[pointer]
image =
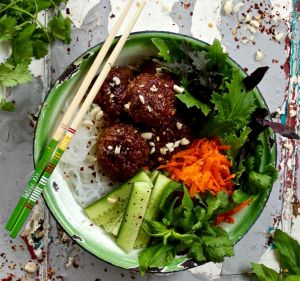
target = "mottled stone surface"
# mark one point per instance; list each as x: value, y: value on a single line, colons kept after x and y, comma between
x: 64, y: 260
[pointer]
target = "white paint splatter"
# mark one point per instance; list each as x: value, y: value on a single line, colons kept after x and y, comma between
x: 155, y: 16
x: 282, y: 7
x: 295, y: 233
x: 78, y: 10
x: 269, y: 259
x: 37, y: 67
x: 5, y: 51
x: 210, y: 269
x: 206, y: 18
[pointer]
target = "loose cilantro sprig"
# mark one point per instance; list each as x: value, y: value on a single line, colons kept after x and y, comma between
x: 28, y: 37
x: 186, y: 227
x: 289, y: 259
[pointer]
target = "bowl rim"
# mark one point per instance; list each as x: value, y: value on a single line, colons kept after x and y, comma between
x: 65, y: 75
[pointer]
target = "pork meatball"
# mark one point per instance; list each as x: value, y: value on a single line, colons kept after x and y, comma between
x: 152, y: 100
x: 167, y: 140
x: 121, y: 151
x: 113, y: 93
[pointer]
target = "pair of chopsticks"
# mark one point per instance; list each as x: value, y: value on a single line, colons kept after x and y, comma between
x: 64, y: 133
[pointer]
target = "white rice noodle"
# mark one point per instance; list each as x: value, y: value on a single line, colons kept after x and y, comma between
x: 80, y: 165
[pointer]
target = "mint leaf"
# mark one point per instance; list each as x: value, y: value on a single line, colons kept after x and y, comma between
x: 258, y: 181
x: 155, y: 256
x: 11, y: 76
x: 7, y: 28
x: 289, y: 250
x: 190, y: 101
x: 155, y: 228
x: 264, y: 273
x: 60, y: 28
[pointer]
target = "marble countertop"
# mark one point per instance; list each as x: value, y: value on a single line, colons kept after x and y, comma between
x: 249, y: 45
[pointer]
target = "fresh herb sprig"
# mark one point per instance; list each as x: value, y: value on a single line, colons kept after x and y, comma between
x: 289, y: 259
x: 186, y: 227
x: 28, y: 37
x: 201, y: 72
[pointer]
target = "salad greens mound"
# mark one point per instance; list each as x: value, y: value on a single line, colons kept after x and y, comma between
x: 221, y: 103
x: 161, y: 211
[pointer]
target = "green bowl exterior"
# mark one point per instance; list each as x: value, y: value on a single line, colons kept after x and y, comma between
x: 138, y: 43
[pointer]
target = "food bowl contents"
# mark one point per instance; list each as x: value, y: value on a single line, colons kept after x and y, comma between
x: 121, y: 151
x: 113, y: 94
x: 187, y: 160
x: 152, y: 100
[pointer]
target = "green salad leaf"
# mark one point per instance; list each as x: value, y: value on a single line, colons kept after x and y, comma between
x: 191, y: 101
x: 186, y: 228
x: 289, y: 260
x: 264, y: 273
x: 289, y: 250
x: 201, y: 72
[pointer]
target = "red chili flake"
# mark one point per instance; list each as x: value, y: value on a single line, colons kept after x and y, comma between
x: 67, y: 11
x: 81, y: 169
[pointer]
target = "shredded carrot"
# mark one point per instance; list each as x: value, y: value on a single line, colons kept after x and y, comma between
x: 228, y: 216
x: 202, y: 167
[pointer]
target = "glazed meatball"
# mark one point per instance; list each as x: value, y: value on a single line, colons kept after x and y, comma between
x: 113, y: 93
x: 121, y: 151
x: 167, y: 140
x: 152, y: 100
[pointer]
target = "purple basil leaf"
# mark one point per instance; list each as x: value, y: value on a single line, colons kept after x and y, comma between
x: 259, y: 123
x: 251, y: 81
x: 281, y: 129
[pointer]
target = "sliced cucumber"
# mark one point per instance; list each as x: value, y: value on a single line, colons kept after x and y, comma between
x: 154, y: 176
x: 134, y: 215
x: 152, y: 209
x: 109, y: 210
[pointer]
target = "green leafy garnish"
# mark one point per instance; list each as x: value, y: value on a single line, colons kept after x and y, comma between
x: 289, y: 259
x: 11, y: 75
x: 191, y: 101
x: 236, y: 105
x: 264, y: 273
x: 29, y: 38
x: 186, y: 228
x: 289, y: 250
x: 197, y: 70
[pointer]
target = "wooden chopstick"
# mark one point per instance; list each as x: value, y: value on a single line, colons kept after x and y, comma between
x: 50, y: 160
x: 42, y: 163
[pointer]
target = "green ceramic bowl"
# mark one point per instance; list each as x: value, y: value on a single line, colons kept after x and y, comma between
x: 60, y: 199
